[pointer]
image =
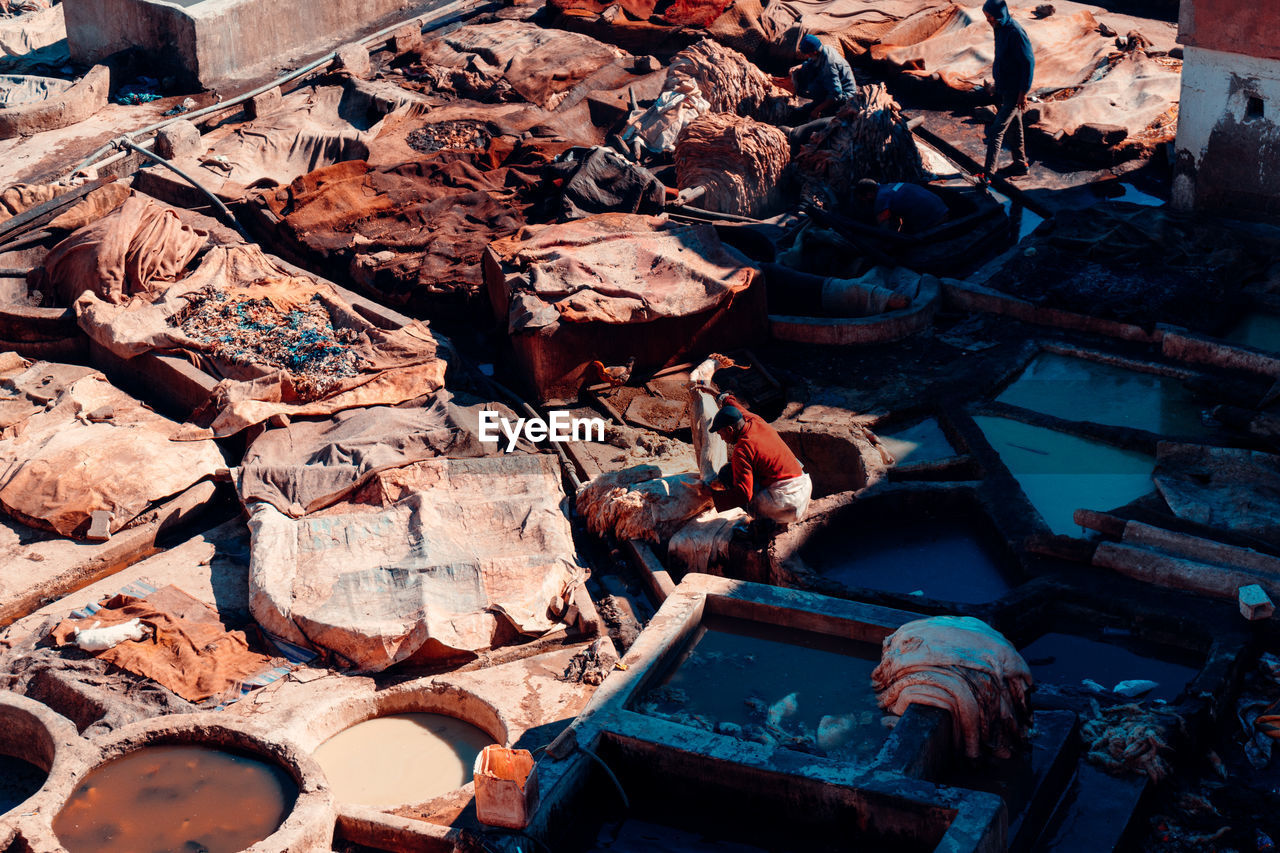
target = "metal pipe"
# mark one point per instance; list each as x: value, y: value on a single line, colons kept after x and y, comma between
x: 430, y: 21
x: 699, y: 213
x: 626, y: 803
x: 690, y: 194
x: 217, y: 202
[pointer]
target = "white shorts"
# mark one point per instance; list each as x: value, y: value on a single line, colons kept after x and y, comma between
x: 786, y: 501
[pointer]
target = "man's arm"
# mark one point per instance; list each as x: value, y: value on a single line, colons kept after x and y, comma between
x: 830, y: 85
x: 802, y: 76
x: 1027, y: 55
x: 822, y: 108
x: 743, y: 485
x: 886, y: 219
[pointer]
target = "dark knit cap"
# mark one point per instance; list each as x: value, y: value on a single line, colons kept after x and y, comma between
x: 728, y: 416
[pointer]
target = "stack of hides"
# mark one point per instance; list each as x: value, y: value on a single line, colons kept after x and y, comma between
x: 966, y: 667
x: 738, y: 160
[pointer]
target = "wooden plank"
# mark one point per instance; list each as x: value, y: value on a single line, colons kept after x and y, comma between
x: 42, y: 213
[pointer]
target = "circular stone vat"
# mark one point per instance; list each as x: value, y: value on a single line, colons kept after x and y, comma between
x: 860, y: 331
x: 400, y: 759
x: 35, y: 743
x: 189, y: 785
x: 176, y: 797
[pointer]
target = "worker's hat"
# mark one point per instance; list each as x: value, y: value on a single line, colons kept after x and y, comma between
x: 726, y: 417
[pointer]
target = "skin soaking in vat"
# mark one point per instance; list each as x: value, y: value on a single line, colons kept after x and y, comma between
x: 795, y: 689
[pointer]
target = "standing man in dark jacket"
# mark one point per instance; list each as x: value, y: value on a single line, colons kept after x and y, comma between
x: 1011, y: 73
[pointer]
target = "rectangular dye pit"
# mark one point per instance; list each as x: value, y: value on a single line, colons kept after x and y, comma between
x: 686, y: 796
x: 638, y: 835
x: 1259, y: 330
x: 1060, y: 473
x: 918, y: 444
x: 943, y: 557
x: 772, y: 685
x: 688, y: 778
x: 684, y: 815
x: 1068, y: 659
x: 1080, y: 389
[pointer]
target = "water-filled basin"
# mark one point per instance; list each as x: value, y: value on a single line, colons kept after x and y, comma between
x: 400, y: 758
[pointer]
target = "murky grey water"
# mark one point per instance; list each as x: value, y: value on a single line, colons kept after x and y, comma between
x: 1060, y: 473
x: 792, y: 688
x: 922, y: 442
x: 1079, y: 389
x: 944, y: 559
x: 1066, y: 659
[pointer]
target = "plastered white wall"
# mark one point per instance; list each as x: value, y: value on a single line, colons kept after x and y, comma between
x: 1216, y: 85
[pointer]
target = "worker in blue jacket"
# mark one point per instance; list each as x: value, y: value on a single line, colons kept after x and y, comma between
x: 825, y: 77
x: 1011, y: 75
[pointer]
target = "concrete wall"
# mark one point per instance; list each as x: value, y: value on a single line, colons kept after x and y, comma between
x: 1238, y: 26
x: 96, y: 29
x: 1228, y: 145
x: 223, y: 42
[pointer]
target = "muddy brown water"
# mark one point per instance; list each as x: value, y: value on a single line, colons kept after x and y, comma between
x: 189, y: 799
x: 18, y: 781
x: 797, y: 689
x: 400, y: 758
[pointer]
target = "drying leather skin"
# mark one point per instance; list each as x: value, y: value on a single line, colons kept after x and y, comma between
x: 189, y: 651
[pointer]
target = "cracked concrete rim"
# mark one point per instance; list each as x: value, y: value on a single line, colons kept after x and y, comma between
x: 37, y: 734
x: 309, y: 825
x: 859, y: 331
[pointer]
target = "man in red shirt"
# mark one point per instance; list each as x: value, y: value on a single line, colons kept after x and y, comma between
x: 764, y: 475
